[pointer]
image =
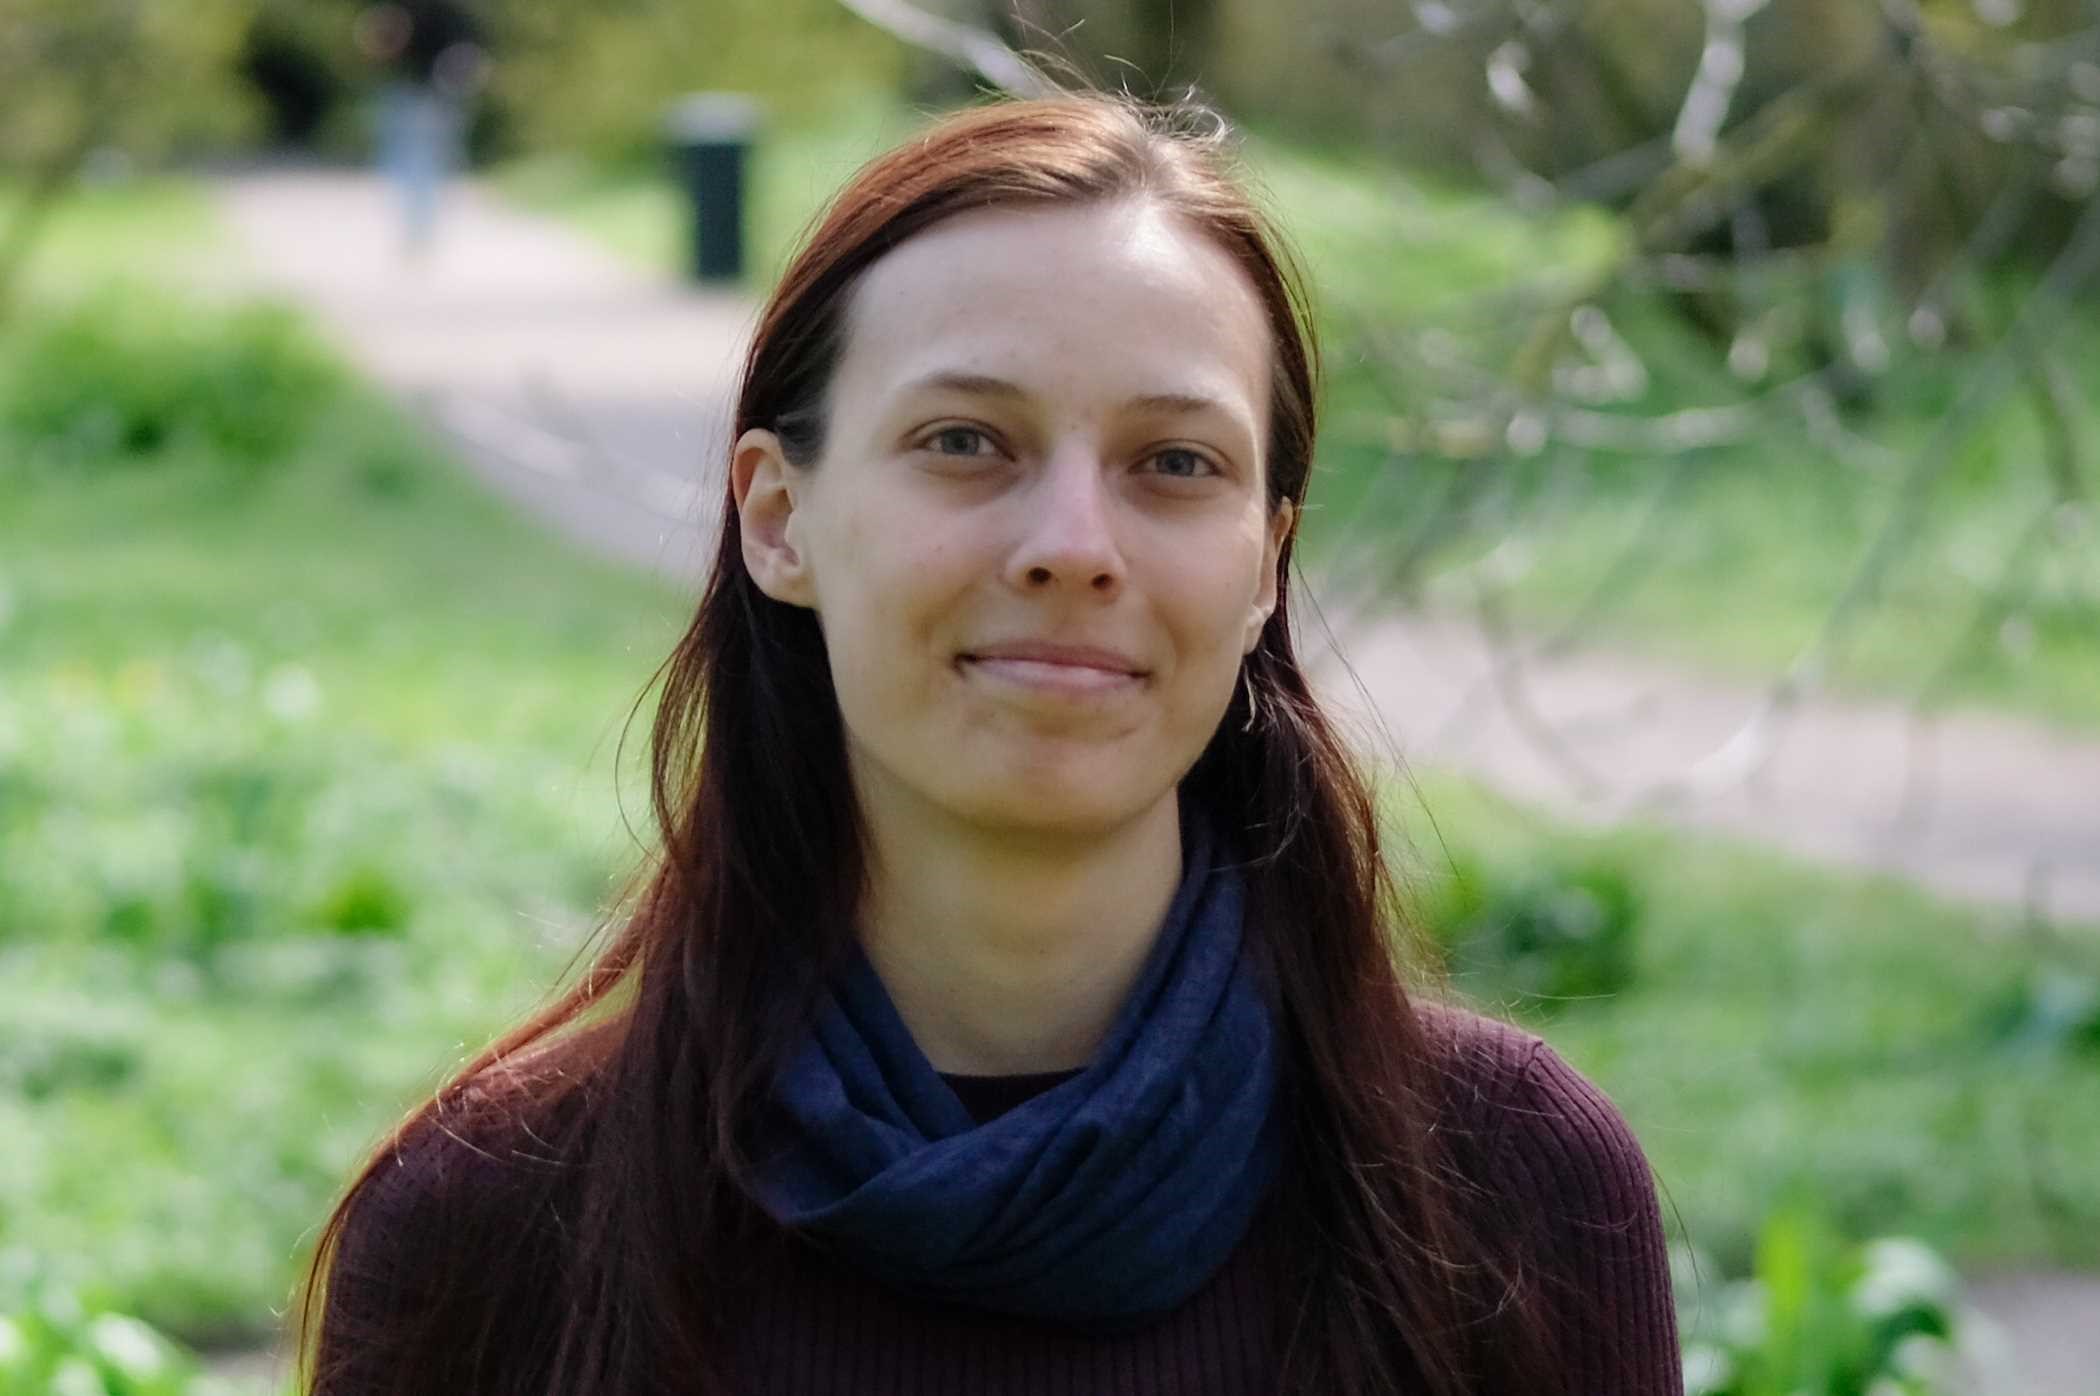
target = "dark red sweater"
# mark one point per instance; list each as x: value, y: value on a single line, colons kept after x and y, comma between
x: 1557, y: 1159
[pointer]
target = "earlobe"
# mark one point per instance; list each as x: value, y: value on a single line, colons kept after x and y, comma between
x: 764, y: 485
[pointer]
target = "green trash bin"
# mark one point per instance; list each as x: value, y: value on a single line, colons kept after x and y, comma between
x: 710, y: 135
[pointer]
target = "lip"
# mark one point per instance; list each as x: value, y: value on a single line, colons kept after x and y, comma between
x: 1037, y: 652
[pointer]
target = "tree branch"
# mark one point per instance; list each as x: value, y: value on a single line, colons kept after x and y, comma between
x: 965, y: 45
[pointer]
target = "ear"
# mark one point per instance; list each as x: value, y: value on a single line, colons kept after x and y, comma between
x: 1279, y: 530
x: 764, y: 484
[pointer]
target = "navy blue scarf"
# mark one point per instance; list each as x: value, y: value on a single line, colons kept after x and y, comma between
x: 1103, y: 1202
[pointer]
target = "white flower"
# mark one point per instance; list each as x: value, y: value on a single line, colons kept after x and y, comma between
x: 291, y: 693
x: 130, y: 1346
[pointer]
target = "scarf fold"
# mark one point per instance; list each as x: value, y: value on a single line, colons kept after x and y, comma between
x: 1104, y: 1201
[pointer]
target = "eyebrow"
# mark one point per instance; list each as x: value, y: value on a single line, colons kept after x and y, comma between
x: 982, y: 385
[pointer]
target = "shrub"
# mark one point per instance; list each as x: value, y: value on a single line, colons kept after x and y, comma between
x: 181, y: 820
x: 1822, y: 1317
x: 2054, y: 1010
x: 54, y: 1344
x: 128, y: 376
x: 1542, y: 935
x: 234, y: 941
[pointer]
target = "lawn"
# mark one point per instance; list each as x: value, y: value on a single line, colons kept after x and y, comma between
x: 1785, y: 1029
x: 1730, y: 556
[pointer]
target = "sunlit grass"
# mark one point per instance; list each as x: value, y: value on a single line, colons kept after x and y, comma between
x: 148, y: 228
x: 1790, y: 1028
x: 307, y: 785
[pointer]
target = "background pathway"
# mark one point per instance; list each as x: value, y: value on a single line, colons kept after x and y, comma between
x: 596, y: 396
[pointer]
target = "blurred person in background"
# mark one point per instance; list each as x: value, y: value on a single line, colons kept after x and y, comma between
x: 1018, y: 999
x: 435, y: 68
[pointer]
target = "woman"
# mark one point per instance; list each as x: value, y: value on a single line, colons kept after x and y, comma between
x: 1015, y: 1002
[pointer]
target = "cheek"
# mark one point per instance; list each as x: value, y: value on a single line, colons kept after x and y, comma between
x: 890, y: 598
x: 1212, y: 590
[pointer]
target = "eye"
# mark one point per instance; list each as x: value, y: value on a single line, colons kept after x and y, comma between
x: 1181, y: 463
x: 958, y: 441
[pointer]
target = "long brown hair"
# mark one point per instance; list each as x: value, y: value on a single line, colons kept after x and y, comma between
x: 639, y: 1087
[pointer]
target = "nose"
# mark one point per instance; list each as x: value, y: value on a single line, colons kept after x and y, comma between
x: 1068, y: 540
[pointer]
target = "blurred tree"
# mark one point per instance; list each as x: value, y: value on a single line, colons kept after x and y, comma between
x: 315, y: 63
x: 78, y: 76
x: 293, y: 57
x: 599, y: 77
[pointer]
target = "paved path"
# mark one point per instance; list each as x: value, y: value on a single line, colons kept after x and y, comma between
x: 1971, y: 805
x: 590, y: 393
x: 596, y: 396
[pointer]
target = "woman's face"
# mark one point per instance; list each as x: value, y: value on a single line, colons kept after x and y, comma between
x: 1037, y: 538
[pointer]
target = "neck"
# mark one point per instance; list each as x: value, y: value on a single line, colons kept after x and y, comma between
x: 1009, y: 953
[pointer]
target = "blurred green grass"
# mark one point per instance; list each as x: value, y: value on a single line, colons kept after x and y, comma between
x: 146, y: 229
x: 307, y: 786
x: 1794, y: 1029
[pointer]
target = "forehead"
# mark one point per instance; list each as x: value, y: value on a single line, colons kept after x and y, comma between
x: 1118, y: 297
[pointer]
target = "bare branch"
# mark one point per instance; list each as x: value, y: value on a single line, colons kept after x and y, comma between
x: 965, y: 45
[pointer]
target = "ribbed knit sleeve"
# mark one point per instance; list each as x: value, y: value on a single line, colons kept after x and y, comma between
x: 1582, y: 1187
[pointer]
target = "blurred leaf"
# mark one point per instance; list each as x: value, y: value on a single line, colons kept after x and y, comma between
x: 2055, y: 1010
x: 1547, y: 933
x: 1821, y: 1317
x: 366, y: 902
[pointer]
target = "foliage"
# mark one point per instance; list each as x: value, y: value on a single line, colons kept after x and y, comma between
x: 599, y: 78
x: 128, y: 377
x: 305, y: 784
x: 1835, y: 359
x: 301, y: 59
x: 1539, y: 936
x: 1784, y: 1029
x: 54, y: 1344
x: 1729, y: 553
x: 139, y: 75
x: 2055, y: 1009
x: 132, y: 77
x: 234, y: 942
x: 567, y: 78
x: 1821, y: 1317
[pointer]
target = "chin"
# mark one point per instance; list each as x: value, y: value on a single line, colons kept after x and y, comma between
x: 1067, y: 805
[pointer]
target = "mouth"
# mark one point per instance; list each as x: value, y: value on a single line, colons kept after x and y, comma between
x: 1079, y: 675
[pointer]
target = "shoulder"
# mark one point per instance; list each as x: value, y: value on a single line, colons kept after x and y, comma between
x: 468, y: 1161
x: 1477, y: 1061
x: 1508, y: 1088
x: 1557, y: 1169
x: 452, y: 1225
